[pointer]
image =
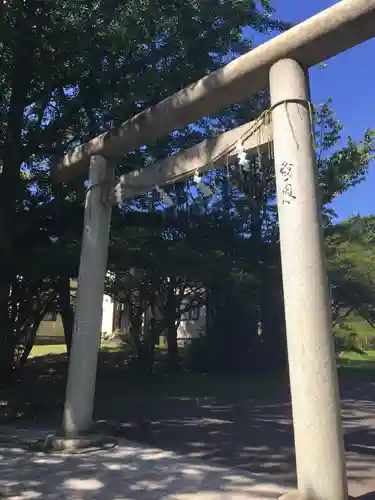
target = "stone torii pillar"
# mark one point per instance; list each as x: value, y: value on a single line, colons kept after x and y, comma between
x: 318, y: 435
x: 83, y: 361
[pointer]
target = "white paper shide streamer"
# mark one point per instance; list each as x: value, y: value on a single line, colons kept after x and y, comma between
x: 164, y: 198
x: 242, y: 157
x: 203, y: 189
x: 119, y: 191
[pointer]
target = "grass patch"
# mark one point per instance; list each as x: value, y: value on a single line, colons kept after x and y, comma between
x: 354, y: 360
x: 46, y: 350
x: 122, y: 391
x: 50, y: 349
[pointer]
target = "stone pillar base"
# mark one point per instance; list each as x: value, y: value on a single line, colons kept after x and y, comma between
x: 296, y: 495
x: 79, y: 444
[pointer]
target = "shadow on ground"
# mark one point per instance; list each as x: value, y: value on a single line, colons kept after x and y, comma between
x: 232, y: 423
x: 125, y: 472
x: 254, y: 434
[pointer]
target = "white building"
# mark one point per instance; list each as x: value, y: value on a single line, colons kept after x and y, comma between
x: 192, y: 323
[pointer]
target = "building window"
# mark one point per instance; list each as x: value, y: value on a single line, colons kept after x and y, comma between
x: 192, y: 314
x: 50, y: 316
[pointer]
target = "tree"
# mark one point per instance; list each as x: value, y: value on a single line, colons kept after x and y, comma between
x: 352, y: 267
x: 70, y: 70
x: 339, y: 169
x: 236, y: 232
x: 57, y: 93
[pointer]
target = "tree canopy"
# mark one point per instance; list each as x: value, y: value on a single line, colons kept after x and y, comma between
x: 70, y: 70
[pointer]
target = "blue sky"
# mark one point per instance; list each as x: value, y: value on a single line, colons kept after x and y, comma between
x: 349, y: 81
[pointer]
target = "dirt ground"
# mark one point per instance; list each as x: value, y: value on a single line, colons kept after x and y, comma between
x: 248, y: 429
x: 255, y: 434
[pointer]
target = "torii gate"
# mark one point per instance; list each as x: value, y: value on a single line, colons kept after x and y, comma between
x: 281, y: 64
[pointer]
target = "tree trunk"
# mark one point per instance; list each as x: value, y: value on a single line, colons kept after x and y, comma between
x: 117, y: 313
x: 274, y: 349
x: 173, y: 359
x: 170, y: 319
x: 11, y: 160
x: 135, y: 314
x: 33, y: 329
x: 7, y: 352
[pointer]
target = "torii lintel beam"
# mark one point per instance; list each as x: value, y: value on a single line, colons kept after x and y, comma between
x: 334, y: 30
x: 211, y: 153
